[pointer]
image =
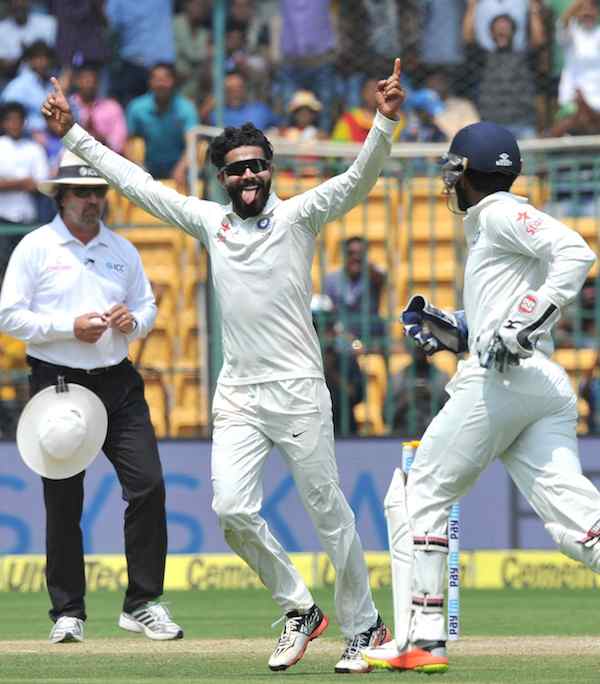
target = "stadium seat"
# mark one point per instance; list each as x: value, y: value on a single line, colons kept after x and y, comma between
x: 156, y: 394
x: 156, y: 351
x: 189, y: 337
x: 189, y: 416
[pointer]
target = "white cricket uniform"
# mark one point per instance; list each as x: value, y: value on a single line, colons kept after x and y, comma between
x: 526, y: 416
x: 271, y: 389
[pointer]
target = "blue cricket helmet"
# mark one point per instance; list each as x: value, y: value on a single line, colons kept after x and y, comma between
x: 488, y: 147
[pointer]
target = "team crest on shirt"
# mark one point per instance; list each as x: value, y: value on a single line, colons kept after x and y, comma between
x: 263, y: 223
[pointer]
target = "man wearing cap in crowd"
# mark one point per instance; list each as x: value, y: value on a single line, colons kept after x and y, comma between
x: 303, y: 112
x: 77, y: 294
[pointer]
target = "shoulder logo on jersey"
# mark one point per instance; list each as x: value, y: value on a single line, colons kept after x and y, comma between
x: 528, y: 304
x: 504, y: 159
x: 263, y: 223
x: 118, y: 268
x: 223, y: 228
x: 531, y: 225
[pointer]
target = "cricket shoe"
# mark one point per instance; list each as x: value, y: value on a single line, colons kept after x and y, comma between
x: 421, y: 656
x: 299, y: 629
x: 352, y: 661
x: 66, y: 629
x: 154, y: 620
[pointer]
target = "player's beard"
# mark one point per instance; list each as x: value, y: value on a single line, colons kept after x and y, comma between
x: 254, y: 207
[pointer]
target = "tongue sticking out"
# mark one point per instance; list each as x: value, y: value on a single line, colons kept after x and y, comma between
x: 249, y: 195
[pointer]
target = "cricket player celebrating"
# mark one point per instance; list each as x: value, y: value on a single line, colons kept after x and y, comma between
x: 271, y: 389
x: 508, y: 400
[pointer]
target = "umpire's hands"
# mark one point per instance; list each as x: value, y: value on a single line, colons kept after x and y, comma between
x: 390, y: 95
x: 121, y: 318
x: 90, y: 327
x: 57, y: 111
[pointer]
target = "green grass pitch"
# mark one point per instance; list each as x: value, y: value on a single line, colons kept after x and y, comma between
x: 508, y: 636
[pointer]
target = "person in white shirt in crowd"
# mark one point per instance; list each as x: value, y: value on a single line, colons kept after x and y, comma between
x: 76, y: 293
x: 508, y: 400
x: 271, y: 389
x: 18, y: 31
x: 23, y: 162
x: 578, y: 33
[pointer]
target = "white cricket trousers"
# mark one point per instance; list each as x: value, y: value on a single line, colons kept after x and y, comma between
x: 294, y: 415
x: 526, y: 416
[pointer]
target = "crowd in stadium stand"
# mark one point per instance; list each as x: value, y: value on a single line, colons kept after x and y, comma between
x: 303, y: 71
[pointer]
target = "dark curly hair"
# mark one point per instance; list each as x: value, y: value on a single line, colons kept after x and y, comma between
x: 247, y: 135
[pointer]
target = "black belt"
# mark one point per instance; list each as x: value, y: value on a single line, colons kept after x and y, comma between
x: 33, y: 362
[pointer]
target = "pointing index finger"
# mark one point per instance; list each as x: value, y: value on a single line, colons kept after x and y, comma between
x: 57, y: 87
x: 397, y: 66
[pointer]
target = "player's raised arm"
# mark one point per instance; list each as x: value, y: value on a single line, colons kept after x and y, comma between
x: 332, y: 199
x: 133, y: 181
x: 390, y: 94
x: 57, y: 111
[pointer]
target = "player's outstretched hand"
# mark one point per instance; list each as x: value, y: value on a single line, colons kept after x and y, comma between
x: 390, y: 94
x: 57, y: 111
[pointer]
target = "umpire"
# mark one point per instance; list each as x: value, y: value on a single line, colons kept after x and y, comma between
x: 77, y: 294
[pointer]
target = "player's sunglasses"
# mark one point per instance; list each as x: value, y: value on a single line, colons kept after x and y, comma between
x: 238, y: 168
x: 98, y: 190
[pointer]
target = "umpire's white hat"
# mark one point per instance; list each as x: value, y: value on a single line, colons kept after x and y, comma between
x: 72, y: 171
x: 61, y: 430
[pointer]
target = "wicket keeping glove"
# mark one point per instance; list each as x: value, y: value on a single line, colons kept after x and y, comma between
x: 532, y: 318
x: 433, y: 329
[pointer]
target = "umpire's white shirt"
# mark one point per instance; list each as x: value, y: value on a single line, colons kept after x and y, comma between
x: 261, y: 265
x: 52, y: 278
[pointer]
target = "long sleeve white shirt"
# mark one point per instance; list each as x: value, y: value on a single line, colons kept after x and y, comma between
x: 514, y: 249
x: 52, y: 278
x: 260, y: 266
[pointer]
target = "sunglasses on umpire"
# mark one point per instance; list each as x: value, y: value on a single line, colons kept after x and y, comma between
x: 238, y: 168
x: 85, y: 192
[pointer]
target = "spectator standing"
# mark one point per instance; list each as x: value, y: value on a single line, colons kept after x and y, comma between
x: 368, y: 32
x: 579, y: 35
x: 102, y: 115
x: 506, y: 89
x: 23, y: 162
x: 19, y: 30
x: 192, y: 47
x: 77, y: 294
x: 30, y: 87
x: 308, y: 54
x: 82, y: 32
x: 161, y: 118
x: 487, y: 10
x: 441, y: 42
x: 143, y: 32
x: 238, y: 109
x: 355, y: 291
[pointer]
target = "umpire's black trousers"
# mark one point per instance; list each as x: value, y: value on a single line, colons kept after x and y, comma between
x: 131, y: 447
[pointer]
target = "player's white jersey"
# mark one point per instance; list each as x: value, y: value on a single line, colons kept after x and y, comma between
x: 261, y: 266
x: 514, y: 249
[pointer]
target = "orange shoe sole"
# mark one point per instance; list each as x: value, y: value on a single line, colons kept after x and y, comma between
x: 416, y: 659
x: 321, y: 627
